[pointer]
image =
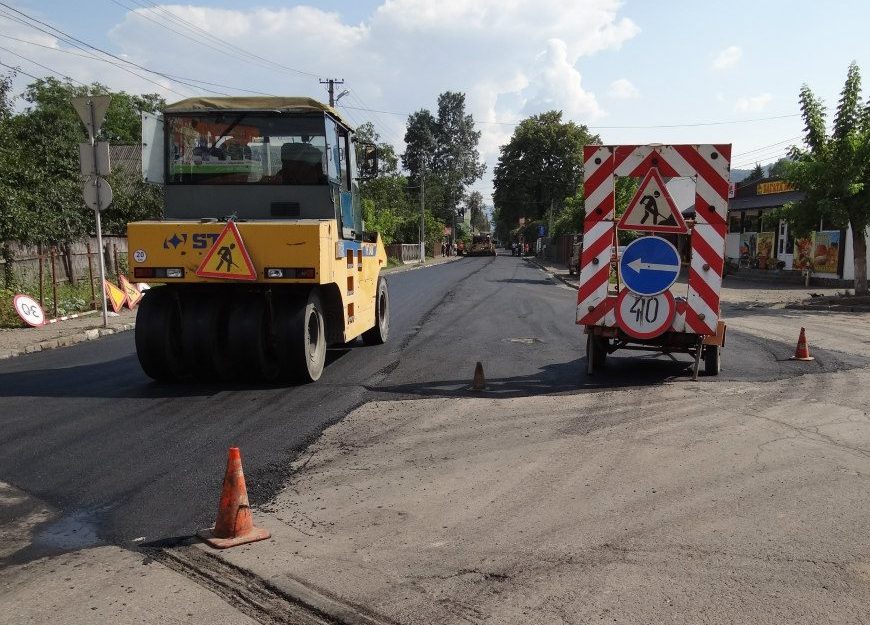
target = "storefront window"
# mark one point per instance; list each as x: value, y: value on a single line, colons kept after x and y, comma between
x: 734, y: 222
x: 751, y: 221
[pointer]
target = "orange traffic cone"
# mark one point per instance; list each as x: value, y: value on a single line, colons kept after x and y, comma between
x: 234, y: 524
x: 479, y: 382
x: 802, y: 352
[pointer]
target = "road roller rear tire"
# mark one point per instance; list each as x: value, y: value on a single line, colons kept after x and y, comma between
x: 379, y: 334
x: 158, y: 336
x: 250, y: 341
x: 300, y: 334
x: 203, y: 331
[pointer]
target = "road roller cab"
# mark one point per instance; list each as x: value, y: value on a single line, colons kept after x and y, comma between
x: 261, y: 260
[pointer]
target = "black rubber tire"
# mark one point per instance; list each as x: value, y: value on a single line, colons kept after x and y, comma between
x: 300, y: 335
x: 596, y: 352
x: 379, y: 334
x: 249, y: 339
x: 712, y: 359
x: 204, y: 337
x: 158, y: 336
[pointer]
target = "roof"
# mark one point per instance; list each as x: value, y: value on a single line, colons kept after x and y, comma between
x: 772, y: 200
x: 264, y: 103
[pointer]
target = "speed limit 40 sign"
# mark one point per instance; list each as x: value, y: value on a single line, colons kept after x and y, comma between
x: 29, y: 310
x: 645, y: 316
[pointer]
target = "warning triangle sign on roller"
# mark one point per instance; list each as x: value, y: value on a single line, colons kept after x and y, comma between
x: 228, y: 257
x: 652, y: 209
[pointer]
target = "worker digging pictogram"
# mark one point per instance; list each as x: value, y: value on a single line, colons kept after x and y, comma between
x: 228, y: 257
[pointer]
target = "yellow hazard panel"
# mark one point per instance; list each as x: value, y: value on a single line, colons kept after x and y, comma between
x: 114, y: 295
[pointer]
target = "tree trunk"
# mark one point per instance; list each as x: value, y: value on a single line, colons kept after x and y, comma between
x: 859, y: 245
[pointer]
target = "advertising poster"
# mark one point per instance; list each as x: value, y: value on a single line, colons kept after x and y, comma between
x: 803, y: 253
x: 826, y: 252
x: 765, y: 244
x: 748, y: 243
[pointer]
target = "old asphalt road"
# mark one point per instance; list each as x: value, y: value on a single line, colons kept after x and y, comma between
x: 124, y: 458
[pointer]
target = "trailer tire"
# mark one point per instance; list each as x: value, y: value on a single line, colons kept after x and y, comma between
x: 379, y: 334
x: 712, y: 359
x: 158, y: 336
x: 596, y: 353
x: 300, y: 334
x: 249, y: 339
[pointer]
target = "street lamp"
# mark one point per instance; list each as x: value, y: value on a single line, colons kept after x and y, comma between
x: 341, y: 95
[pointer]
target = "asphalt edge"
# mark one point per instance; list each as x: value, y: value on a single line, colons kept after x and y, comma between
x: 90, y: 334
x: 404, y: 268
x: 542, y: 267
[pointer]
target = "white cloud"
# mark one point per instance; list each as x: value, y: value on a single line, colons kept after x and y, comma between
x: 511, y: 57
x: 727, y: 57
x: 622, y: 89
x: 752, y: 104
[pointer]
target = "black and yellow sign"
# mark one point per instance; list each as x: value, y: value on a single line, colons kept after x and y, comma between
x: 776, y: 186
x: 228, y: 257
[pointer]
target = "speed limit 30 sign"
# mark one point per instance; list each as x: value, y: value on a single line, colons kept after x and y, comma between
x: 645, y: 316
x: 29, y: 310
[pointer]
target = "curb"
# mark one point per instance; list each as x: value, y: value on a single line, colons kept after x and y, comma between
x: 828, y: 308
x: 64, y: 341
x: 573, y: 285
x: 404, y: 268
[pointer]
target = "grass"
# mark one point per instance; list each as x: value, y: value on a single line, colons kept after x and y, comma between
x: 71, y: 298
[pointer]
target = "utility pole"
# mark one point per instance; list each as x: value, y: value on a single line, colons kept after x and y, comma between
x: 423, y: 212
x: 331, y: 82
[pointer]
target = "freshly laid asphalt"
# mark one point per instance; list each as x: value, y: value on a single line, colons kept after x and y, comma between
x: 128, y: 460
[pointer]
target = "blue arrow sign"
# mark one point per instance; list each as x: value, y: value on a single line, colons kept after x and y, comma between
x: 649, y: 265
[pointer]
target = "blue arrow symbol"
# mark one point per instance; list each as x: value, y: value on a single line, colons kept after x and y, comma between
x: 637, y: 264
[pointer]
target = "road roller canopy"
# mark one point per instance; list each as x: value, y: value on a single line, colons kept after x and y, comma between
x: 254, y: 104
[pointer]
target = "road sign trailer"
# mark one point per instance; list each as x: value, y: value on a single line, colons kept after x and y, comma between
x: 614, y: 320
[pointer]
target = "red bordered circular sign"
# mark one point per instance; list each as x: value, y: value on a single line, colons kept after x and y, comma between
x: 645, y: 316
x: 29, y: 310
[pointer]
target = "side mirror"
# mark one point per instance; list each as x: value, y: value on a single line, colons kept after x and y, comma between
x: 368, y: 167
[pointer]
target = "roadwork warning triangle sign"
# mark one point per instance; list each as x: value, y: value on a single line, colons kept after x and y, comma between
x: 133, y: 294
x: 115, y: 296
x: 652, y: 209
x: 228, y: 257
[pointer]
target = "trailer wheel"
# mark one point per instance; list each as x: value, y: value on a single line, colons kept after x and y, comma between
x: 158, y: 336
x: 596, y: 353
x: 380, y: 332
x: 249, y: 340
x: 712, y: 359
x: 300, y: 334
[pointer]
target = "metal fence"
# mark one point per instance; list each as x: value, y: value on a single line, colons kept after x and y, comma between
x: 405, y: 252
x: 39, y: 270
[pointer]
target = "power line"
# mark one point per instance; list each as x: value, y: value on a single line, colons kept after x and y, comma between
x: 764, y: 147
x: 71, y: 42
x: 689, y: 125
x: 102, y: 60
x: 18, y: 70
x: 193, y: 27
x: 78, y: 43
x: 45, y: 67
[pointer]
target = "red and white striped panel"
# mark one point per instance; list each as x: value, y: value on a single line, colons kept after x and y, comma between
x: 709, y: 166
x: 598, y: 232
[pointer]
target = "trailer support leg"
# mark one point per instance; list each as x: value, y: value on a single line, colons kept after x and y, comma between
x: 698, y: 350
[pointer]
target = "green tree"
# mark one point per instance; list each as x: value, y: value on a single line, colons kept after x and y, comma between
x: 475, y: 208
x: 540, y: 166
x: 388, y: 164
x: 446, y: 147
x: 39, y: 160
x: 833, y: 170
x: 779, y: 169
x: 755, y: 175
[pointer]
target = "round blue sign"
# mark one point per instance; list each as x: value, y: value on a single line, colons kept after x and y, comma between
x: 649, y: 265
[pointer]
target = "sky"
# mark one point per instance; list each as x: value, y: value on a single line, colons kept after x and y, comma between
x: 673, y: 71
